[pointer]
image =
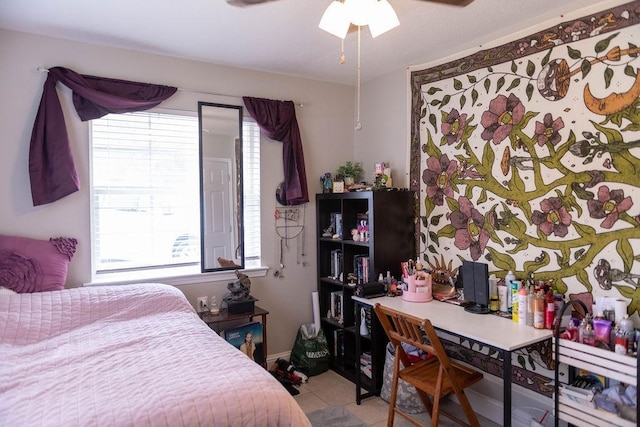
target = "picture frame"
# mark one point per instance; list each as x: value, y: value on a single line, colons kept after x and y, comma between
x: 338, y: 187
x: 236, y: 337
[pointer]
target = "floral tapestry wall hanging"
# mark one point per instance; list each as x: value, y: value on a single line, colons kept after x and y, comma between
x: 526, y: 156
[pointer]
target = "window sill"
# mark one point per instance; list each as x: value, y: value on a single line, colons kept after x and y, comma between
x: 176, y: 277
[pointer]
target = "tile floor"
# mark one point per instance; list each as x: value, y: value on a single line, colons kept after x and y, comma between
x: 330, y: 389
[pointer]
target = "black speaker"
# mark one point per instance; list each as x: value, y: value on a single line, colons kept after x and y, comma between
x: 475, y: 280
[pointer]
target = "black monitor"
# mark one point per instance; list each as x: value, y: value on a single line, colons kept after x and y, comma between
x: 475, y: 280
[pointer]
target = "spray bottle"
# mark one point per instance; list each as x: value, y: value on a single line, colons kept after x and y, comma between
x: 510, y: 277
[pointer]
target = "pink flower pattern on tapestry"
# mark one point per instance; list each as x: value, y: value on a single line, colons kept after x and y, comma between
x: 502, y: 115
x: 453, y: 126
x: 554, y: 217
x: 547, y: 130
x: 608, y: 206
x: 437, y: 176
x: 469, y: 224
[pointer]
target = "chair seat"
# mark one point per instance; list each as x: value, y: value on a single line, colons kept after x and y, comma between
x: 424, y: 375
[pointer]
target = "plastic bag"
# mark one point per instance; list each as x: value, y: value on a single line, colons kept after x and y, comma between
x: 310, y: 353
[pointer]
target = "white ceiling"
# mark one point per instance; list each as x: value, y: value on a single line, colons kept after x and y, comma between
x: 280, y: 36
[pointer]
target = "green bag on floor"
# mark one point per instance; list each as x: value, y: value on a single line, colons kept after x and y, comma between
x: 310, y: 353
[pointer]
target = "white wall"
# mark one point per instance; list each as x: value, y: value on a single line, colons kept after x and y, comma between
x: 325, y: 124
x: 384, y: 136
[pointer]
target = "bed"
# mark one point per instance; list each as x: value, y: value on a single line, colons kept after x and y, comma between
x: 127, y: 355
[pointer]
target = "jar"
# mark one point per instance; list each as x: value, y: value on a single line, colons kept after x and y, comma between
x: 626, y: 327
x: 494, y: 304
x: 621, y: 342
x: 571, y: 331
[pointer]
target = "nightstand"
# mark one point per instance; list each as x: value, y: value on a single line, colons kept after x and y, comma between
x: 214, y: 322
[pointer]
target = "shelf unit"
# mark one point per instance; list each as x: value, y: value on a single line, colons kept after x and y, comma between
x: 389, y: 215
x: 374, y: 343
x: 608, y: 364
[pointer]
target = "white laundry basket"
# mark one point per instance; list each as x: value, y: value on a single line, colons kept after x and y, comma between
x: 531, y: 417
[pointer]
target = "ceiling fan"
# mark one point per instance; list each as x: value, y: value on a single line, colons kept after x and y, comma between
x: 242, y: 3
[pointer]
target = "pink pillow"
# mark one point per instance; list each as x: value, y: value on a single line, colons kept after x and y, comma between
x: 30, y: 265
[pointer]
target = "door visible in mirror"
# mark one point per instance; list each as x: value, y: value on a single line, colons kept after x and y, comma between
x: 221, y: 186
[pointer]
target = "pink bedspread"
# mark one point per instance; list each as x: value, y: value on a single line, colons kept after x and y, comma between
x: 124, y: 356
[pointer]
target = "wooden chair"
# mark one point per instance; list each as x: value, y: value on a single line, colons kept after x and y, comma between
x: 437, y: 376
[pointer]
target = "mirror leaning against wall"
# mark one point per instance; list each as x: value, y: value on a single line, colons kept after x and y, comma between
x: 221, y: 216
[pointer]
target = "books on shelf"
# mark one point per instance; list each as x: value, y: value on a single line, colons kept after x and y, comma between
x: 336, y: 264
x: 336, y: 310
x: 365, y: 364
x: 336, y: 221
x: 361, y: 268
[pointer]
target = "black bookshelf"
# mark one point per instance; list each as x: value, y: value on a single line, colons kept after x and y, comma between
x: 390, y: 221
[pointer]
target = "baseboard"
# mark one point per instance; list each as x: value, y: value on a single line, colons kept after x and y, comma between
x: 486, y: 399
x: 271, y: 358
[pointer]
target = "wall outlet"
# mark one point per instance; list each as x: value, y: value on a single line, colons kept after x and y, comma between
x: 202, y: 304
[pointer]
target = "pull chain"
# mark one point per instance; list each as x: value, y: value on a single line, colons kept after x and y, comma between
x: 358, y: 124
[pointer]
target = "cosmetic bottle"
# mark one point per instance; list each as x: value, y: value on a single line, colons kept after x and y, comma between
x: 626, y: 327
x: 582, y: 328
x: 549, y: 311
x: 588, y: 337
x: 530, y: 301
x: 523, y: 298
x: 538, y: 311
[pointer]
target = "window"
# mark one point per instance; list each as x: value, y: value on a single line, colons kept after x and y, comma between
x: 251, y: 193
x: 145, y: 191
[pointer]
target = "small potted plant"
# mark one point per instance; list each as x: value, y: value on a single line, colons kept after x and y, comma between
x: 350, y: 172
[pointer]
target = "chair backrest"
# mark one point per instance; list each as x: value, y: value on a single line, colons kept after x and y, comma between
x: 404, y: 328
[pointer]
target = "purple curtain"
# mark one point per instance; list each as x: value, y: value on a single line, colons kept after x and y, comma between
x: 51, y: 168
x: 277, y: 119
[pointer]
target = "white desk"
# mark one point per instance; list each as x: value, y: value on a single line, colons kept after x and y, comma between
x: 500, y: 333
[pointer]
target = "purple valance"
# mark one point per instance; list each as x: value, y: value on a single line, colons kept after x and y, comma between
x: 277, y: 119
x: 51, y: 168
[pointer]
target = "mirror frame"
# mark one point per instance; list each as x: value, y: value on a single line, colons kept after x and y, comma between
x: 238, y: 209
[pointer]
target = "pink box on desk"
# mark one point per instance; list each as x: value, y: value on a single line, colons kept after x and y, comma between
x: 418, y: 290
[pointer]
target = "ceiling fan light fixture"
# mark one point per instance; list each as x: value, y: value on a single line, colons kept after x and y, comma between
x: 377, y: 14
x: 383, y: 19
x: 335, y: 20
x: 360, y: 12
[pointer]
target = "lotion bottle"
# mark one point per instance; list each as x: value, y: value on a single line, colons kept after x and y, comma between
x: 530, y: 301
x: 523, y: 297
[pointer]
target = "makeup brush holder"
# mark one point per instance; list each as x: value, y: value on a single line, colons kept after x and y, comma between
x: 418, y: 289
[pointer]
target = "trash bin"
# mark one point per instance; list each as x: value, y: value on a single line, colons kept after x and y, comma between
x: 408, y: 399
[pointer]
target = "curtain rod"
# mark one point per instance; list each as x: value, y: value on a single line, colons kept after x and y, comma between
x: 297, y: 104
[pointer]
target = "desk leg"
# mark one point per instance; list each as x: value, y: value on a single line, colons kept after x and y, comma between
x: 506, y: 389
x: 358, y: 345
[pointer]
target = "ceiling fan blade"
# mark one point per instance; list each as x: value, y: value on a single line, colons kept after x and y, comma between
x: 460, y: 3
x: 243, y: 3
